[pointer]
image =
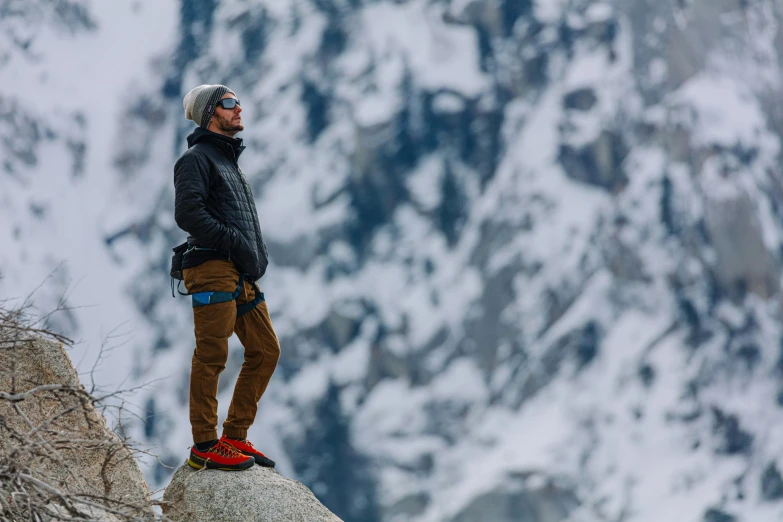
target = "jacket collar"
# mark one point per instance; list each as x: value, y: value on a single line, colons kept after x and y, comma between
x: 231, y: 147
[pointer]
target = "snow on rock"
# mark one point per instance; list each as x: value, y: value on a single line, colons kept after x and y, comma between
x: 542, y: 234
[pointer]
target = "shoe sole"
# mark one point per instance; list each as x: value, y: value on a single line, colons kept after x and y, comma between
x: 200, y: 463
x: 261, y: 461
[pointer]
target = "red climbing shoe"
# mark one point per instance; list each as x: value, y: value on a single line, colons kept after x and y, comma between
x: 245, y: 447
x: 219, y: 456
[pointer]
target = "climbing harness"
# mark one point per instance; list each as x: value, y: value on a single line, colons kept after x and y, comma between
x: 207, y: 298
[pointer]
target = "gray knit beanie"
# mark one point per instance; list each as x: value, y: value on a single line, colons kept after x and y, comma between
x: 200, y: 103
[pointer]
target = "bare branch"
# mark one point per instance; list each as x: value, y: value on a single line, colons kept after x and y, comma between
x: 16, y: 397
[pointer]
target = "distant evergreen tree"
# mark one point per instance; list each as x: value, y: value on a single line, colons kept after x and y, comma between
x: 329, y: 465
x: 452, y: 212
x: 317, y: 104
x: 667, y: 211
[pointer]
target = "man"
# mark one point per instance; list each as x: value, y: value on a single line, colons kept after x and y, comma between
x: 215, y: 206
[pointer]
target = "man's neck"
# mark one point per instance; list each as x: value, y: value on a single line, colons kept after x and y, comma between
x: 228, y: 134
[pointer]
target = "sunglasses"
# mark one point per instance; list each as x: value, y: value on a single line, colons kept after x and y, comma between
x: 229, y: 103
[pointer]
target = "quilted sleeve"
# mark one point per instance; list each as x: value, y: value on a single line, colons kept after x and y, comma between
x: 191, y: 189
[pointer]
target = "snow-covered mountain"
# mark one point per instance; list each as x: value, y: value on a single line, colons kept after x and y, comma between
x: 525, y: 255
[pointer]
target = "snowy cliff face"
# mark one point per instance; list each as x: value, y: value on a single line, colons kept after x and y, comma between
x: 525, y: 255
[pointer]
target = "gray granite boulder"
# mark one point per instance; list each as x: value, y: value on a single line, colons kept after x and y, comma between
x: 258, y: 494
x: 53, y: 440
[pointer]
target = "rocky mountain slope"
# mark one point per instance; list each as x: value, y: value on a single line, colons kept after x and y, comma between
x: 525, y: 255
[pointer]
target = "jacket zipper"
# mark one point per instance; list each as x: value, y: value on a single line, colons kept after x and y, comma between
x: 249, y: 197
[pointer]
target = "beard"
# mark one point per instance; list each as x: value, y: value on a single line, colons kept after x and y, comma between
x: 229, y: 125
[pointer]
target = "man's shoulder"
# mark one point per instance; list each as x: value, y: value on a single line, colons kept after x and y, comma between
x: 197, y: 155
x: 197, y: 149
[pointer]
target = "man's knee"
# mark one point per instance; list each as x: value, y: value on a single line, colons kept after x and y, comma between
x: 211, y: 357
x: 274, y: 351
x: 268, y: 354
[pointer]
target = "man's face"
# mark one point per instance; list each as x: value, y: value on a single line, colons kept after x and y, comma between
x: 227, y: 121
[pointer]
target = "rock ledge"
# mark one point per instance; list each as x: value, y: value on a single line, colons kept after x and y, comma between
x: 257, y: 494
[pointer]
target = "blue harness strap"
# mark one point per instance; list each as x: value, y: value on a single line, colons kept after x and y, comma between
x: 207, y: 298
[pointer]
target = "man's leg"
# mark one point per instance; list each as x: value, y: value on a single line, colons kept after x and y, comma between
x: 213, y: 325
x: 262, y: 351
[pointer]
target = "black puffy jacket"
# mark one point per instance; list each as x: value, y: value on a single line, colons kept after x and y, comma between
x: 213, y: 202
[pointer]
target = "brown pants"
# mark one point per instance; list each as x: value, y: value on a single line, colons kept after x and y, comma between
x: 213, y: 325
